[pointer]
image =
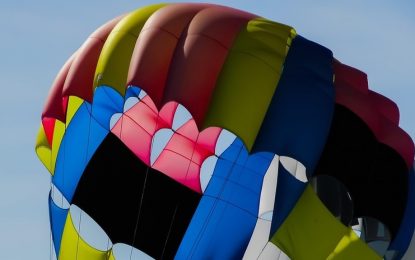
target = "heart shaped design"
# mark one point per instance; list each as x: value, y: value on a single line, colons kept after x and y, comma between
x: 214, y: 162
x: 167, y: 140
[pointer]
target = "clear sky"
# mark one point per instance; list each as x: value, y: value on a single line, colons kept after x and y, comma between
x: 38, y: 36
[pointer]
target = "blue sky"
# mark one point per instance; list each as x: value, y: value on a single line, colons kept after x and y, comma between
x: 38, y: 36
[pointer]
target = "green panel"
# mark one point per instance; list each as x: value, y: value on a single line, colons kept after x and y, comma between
x: 114, y: 61
x: 249, y: 77
x: 311, y: 232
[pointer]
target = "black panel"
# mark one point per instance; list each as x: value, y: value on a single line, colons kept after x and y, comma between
x: 111, y: 191
x: 334, y: 196
x: 374, y: 174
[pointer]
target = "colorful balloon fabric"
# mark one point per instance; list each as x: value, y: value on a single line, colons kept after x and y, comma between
x: 197, y: 131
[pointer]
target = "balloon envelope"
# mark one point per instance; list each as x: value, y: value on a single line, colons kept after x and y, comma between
x: 202, y: 131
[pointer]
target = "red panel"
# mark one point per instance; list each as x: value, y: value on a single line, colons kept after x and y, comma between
x: 359, y: 104
x: 175, y: 17
x: 143, y: 116
x: 135, y: 138
x: 80, y: 78
x: 378, y: 112
x: 193, y: 177
x: 103, y: 31
x: 172, y: 164
x: 205, y: 45
x: 155, y: 47
x: 399, y: 140
x: 49, y: 126
x: 184, y: 153
x: 180, y: 169
x: 385, y: 106
x: 208, y: 138
x: 149, y: 102
x: 64, y: 103
x: 189, y: 129
x: 354, y: 78
x: 167, y: 113
x: 53, y: 107
x: 200, y: 154
x: 181, y: 145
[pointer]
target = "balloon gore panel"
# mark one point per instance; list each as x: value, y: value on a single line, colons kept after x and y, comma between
x: 133, y: 203
x: 197, y: 131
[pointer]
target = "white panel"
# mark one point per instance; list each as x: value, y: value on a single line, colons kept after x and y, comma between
x: 271, y: 251
x: 206, y: 171
x: 89, y: 230
x: 258, y: 240
x: 181, y: 116
x: 300, y: 173
x: 142, y: 94
x: 58, y: 198
x: 114, y: 119
x: 261, y: 233
x: 130, y: 102
x: 160, y: 140
x: 269, y: 187
x: 294, y: 167
x: 358, y: 227
x: 122, y: 251
x: 283, y: 256
x: 225, y: 139
x: 267, y: 215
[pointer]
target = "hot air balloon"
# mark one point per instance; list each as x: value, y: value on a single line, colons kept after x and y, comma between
x: 198, y: 131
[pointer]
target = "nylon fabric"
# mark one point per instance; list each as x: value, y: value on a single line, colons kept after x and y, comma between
x: 252, y: 69
x: 74, y: 247
x: 308, y: 223
x: 114, y: 60
x: 57, y: 217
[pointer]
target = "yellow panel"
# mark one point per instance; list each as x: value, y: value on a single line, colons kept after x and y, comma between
x: 47, y: 155
x: 74, y: 247
x: 43, y: 150
x: 266, y: 40
x: 114, y: 61
x: 74, y: 103
x: 111, y: 257
x: 58, y: 133
x: 352, y: 247
x: 311, y: 232
x: 249, y: 78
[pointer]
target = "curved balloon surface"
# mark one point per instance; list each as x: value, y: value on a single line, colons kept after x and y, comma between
x: 197, y: 131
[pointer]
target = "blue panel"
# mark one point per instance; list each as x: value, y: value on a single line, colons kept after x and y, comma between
x: 226, y: 216
x: 217, y: 231
x: 107, y: 102
x: 81, y: 139
x: 234, y: 151
x: 298, y: 119
x: 57, y: 218
x: 132, y: 91
x: 259, y: 162
x: 289, y: 190
x: 405, y: 232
